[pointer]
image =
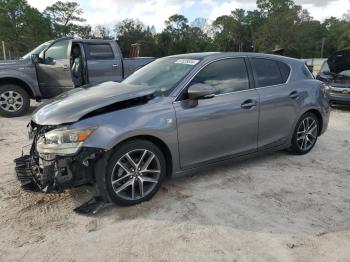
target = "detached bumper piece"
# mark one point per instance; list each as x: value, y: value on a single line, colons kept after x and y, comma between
x: 25, y: 175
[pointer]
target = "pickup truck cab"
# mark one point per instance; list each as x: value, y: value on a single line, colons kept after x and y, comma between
x: 58, y: 66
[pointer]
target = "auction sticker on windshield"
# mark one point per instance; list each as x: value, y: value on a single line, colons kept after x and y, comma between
x: 187, y: 61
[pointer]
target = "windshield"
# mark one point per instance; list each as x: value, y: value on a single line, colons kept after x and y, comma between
x: 37, y: 50
x: 162, y: 74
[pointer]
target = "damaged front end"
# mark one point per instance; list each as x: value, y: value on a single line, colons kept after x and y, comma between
x: 57, y: 159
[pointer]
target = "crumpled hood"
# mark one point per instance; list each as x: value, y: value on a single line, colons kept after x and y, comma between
x: 73, y: 105
x: 339, y: 61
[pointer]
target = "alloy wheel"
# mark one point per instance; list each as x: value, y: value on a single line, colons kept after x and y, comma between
x: 136, y: 174
x: 11, y: 101
x: 307, y: 133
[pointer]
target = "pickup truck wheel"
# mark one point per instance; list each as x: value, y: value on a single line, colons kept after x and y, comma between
x: 14, y: 101
x: 135, y: 172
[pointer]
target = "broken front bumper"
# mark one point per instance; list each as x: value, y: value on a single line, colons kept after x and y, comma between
x: 40, y: 173
x: 25, y: 174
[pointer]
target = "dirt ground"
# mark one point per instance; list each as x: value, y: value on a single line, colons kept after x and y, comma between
x: 278, y: 207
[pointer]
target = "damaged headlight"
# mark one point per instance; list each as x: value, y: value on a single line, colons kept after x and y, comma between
x: 63, y: 141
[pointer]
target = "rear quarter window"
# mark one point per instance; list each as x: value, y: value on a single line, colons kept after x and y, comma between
x: 285, y: 71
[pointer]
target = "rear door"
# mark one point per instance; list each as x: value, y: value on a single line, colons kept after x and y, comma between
x: 278, y: 101
x: 53, y: 71
x: 224, y: 125
x: 103, y: 63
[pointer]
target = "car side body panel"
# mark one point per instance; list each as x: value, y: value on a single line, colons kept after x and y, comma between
x: 154, y: 119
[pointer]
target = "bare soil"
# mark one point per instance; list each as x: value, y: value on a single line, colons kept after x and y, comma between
x: 278, y: 207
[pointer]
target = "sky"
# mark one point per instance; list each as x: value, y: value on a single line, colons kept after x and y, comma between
x: 155, y: 12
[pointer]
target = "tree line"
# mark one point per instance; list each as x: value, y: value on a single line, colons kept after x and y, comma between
x: 275, y: 23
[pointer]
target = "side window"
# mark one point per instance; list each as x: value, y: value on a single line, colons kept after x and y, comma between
x: 100, y: 51
x: 267, y: 72
x: 285, y: 71
x: 58, y: 50
x: 225, y: 76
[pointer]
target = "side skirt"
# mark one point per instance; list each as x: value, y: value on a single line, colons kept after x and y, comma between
x: 230, y: 160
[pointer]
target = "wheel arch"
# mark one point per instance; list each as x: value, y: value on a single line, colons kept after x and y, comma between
x: 159, y: 143
x: 19, y: 82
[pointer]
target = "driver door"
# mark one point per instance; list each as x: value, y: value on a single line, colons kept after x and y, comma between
x: 53, y: 72
x: 223, y: 126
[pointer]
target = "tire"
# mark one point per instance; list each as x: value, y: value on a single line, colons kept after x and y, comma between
x: 305, y: 134
x: 147, y: 170
x: 14, y: 101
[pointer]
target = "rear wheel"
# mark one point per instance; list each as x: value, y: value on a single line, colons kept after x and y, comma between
x: 135, y: 172
x: 305, y: 134
x: 14, y: 101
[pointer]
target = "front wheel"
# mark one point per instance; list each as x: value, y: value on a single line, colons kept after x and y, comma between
x: 14, y: 101
x: 135, y: 172
x: 305, y: 134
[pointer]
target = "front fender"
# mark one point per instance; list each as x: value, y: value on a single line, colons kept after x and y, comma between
x: 156, y: 120
x: 26, y: 74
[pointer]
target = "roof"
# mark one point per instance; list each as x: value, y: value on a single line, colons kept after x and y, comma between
x: 214, y: 55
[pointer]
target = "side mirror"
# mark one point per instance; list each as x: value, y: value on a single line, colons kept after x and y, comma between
x: 35, y: 58
x: 200, y: 91
x: 49, y: 60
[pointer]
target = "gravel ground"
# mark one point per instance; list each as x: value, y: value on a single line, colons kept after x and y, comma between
x: 278, y: 207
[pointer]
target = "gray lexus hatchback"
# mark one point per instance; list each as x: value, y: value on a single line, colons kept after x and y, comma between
x: 172, y: 116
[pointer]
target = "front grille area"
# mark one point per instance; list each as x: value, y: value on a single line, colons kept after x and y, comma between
x: 54, y: 173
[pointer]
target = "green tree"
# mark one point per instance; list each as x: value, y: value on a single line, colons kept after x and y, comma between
x: 307, y: 39
x: 131, y: 31
x: 22, y: 27
x: 83, y: 31
x: 279, y: 26
x: 233, y: 32
x: 63, y: 15
x: 102, y: 32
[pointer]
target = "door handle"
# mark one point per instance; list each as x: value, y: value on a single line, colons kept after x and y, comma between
x: 248, y: 104
x: 294, y: 95
x: 116, y: 65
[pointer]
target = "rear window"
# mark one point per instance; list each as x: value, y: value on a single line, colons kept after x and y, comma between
x: 267, y: 72
x: 100, y: 51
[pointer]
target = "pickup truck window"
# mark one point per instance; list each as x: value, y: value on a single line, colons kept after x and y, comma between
x: 58, y: 50
x: 162, y: 74
x: 37, y: 50
x: 100, y: 51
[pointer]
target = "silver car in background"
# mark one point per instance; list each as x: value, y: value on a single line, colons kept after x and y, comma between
x: 174, y: 115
